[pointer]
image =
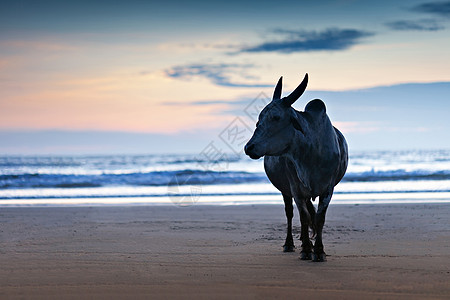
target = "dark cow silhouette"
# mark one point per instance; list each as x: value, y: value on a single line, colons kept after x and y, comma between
x: 304, y: 158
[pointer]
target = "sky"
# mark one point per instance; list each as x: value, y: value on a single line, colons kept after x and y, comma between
x: 176, y: 76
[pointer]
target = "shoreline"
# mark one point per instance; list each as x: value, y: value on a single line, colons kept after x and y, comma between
x: 226, y: 200
x: 111, y: 252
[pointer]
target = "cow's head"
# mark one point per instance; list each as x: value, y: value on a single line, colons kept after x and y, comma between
x: 276, y: 124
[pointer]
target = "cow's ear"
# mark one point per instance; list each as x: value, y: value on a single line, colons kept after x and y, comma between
x: 296, y: 122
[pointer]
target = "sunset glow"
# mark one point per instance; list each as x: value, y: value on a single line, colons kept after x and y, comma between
x: 168, y: 68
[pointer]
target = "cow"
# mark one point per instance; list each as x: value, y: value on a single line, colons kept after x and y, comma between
x: 305, y: 157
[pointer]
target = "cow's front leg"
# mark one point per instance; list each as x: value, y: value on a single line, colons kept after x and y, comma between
x: 289, y: 209
x: 305, y: 221
x: 319, y: 220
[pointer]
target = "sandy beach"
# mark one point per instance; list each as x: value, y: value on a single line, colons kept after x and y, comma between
x: 222, y: 252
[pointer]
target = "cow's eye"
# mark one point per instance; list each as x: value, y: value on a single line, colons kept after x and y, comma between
x: 257, y: 123
x: 276, y: 118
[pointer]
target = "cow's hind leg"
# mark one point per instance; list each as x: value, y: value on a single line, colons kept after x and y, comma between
x: 289, y: 209
x: 305, y: 220
x: 319, y: 221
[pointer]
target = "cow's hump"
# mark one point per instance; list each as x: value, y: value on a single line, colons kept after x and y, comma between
x: 315, y: 105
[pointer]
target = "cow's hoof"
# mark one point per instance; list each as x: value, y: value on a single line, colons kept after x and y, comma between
x: 288, y: 248
x: 319, y: 257
x: 305, y: 255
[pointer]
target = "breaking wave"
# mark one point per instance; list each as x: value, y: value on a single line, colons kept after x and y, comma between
x: 157, y: 175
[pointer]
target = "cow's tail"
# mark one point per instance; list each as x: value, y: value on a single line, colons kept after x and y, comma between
x: 310, y: 212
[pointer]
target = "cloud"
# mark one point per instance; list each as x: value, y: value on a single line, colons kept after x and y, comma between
x: 440, y: 8
x: 332, y: 39
x: 419, y: 25
x: 219, y: 74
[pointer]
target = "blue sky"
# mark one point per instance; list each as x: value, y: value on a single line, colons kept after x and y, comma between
x: 146, y: 76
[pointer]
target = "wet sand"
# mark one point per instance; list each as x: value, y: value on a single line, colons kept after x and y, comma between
x: 203, y: 252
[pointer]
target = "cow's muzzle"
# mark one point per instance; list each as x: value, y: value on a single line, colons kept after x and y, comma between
x: 249, y: 149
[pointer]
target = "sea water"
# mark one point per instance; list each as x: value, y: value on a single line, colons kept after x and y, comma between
x: 372, y: 177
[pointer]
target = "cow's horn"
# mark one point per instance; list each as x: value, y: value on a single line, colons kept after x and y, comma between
x: 277, y: 92
x: 289, y: 100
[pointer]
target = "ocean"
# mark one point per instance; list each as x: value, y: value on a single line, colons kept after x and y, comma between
x: 191, y: 179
